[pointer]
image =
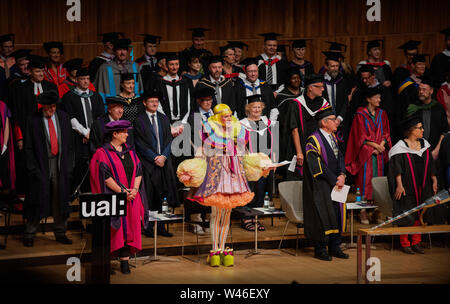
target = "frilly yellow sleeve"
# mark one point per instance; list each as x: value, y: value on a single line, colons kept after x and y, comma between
x: 191, y: 172
x: 252, y: 166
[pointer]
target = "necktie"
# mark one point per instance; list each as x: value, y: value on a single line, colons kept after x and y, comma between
x: 269, y: 72
x: 333, y: 97
x: 334, y: 146
x: 253, y: 89
x: 174, y: 98
x: 155, y: 129
x: 207, y: 114
x: 87, y: 107
x: 53, y: 139
x: 218, y: 97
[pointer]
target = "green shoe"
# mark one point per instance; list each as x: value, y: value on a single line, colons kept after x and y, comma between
x: 228, y: 258
x: 214, y: 258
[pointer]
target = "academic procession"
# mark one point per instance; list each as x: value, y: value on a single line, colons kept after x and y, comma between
x: 203, y: 142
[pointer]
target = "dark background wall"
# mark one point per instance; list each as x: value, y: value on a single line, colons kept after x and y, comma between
x: 344, y: 21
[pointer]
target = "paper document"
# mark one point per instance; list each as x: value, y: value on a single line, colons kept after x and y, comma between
x: 268, y: 164
x: 293, y: 163
x: 340, y: 195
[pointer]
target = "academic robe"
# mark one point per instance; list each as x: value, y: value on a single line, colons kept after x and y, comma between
x: 235, y: 71
x: 184, y: 58
x: 443, y: 97
x: 444, y: 162
x: 438, y: 124
x: 162, y: 180
x: 228, y: 90
x: 58, y: 77
x: 38, y: 196
x: 359, y: 160
x: 382, y: 69
x: 147, y: 68
x: 400, y: 74
x: 7, y: 165
x: 281, y: 67
x: 185, y: 100
x: 439, y: 68
x: 244, y: 89
x: 106, y: 163
x: 321, y: 171
x: 107, y: 80
x: 68, y: 85
x: 307, y: 68
x: 416, y: 169
x: 300, y: 115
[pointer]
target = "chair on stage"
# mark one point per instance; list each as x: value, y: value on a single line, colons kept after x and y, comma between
x: 6, y: 208
x: 382, y: 198
x: 291, y: 198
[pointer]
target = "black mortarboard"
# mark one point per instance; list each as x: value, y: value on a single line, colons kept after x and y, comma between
x: 37, y: 62
x: 110, y: 37
x: 201, y: 92
x: 373, y: 43
x: 335, y: 56
x: 7, y: 37
x: 48, y: 97
x: 151, y: 93
x: 123, y: 43
x: 151, y: 38
x: 161, y: 55
x: 53, y: 45
x: 292, y: 71
x: 172, y: 56
x: 192, y: 54
x: 253, y: 98
x: 410, y: 45
x: 198, y: 31
x: 426, y: 80
x: 313, y: 78
x: 238, y: 44
x: 336, y: 46
x: 214, y: 59
x: 115, y: 100
x: 73, y: 64
x: 127, y: 76
x: 82, y: 72
x: 419, y: 58
x: 411, y: 121
x: 270, y: 36
x: 249, y: 61
x: 224, y: 48
x: 446, y: 32
x: 369, y: 92
x: 366, y: 68
x: 20, y: 53
x: 324, y: 113
x: 299, y: 43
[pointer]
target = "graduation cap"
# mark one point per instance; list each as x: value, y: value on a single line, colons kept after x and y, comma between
x: 410, y: 45
x: 419, y: 58
x: 369, y: 92
x: 161, y: 55
x: 292, y: 71
x: 53, y: 45
x: 153, y: 93
x: 214, y: 59
x: 193, y: 54
x: 446, y: 32
x: 49, y: 97
x: 270, y: 36
x: 335, y: 56
x: 224, y: 48
x: 123, y: 43
x: 238, y: 44
x: 172, y: 56
x: 110, y: 37
x: 410, y: 121
x: 20, y: 54
x: 299, y: 43
x: 324, y: 113
x: 313, y: 78
x: 373, y: 43
x: 337, y: 46
x: 127, y: 76
x: 366, y: 68
x: 37, y: 62
x: 82, y: 72
x: 201, y: 92
x: 7, y: 37
x: 249, y: 61
x: 426, y: 80
x: 253, y: 98
x: 198, y: 31
x: 115, y: 100
x: 148, y: 38
x: 73, y: 64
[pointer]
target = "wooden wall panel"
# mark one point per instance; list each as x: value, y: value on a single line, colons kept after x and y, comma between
x: 36, y: 21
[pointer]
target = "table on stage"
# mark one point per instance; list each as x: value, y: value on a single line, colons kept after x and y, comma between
x: 355, y: 206
x: 388, y: 231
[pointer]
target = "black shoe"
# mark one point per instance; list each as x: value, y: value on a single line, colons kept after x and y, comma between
x: 164, y: 233
x: 339, y: 254
x: 149, y: 233
x: 407, y: 250
x: 64, y: 240
x: 125, y: 267
x: 322, y: 256
x: 418, y: 249
x: 28, y: 242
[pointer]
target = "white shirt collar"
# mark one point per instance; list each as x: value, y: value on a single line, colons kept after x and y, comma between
x: 169, y: 78
x: 221, y: 78
x: 80, y: 91
x: 265, y: 57
x: 249, y: 83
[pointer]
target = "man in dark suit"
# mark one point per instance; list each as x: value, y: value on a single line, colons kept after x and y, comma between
x: 153, y: 141
x: 49, y: 161
x: 324, y: 170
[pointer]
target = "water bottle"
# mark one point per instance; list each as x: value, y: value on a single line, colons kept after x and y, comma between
x: 267, y: 201
x: 358, y: 195
x: 165, y: 207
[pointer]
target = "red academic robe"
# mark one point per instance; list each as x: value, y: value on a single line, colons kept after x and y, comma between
x: 125, y: 230
x: 55, y: 78
x: 358, y: 158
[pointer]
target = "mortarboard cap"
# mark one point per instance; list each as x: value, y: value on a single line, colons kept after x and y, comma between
x: 7, y: 37
x: 73, y: 64
x: 151, y: 38
x: 153, y: 93
x: 411, y: 121
x: 292, y: 71
x: 20, y: 54
x: 123, y: 43
x: 172, y: 56
x: 82, y: 72
x: 410, y: 45
x: 337, y: 46
x: 53, y: 45
x: 373, y: 43
x: 214, y: 59
x: 249, y: 61
x: 426, y: 80
x: 366, y: 68
x: 369, y: 92
x: 117, y: 125
x: 224, y: 48
x: 49, y: 97
x: 201, y: 92
x: 198, y: 31
x: 324, y: 113
x: 313, y: 78
x: 270, y: 36
x: 299, y: 43
x: 110, y: 37
x: 419, y: 58
x: 335, y: 56
x: 238, y: 44
x: 446, y: 32
x: 37, y: 62
x: 253, y: 98
x: 127, y: 76
x: 161, y: 55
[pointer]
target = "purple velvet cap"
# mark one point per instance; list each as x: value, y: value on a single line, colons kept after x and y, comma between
x: 117, y: 126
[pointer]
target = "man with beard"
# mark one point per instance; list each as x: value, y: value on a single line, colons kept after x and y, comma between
x: 54, y: 71
x: 106, y: 56
x: 410, y: 48
x: 441, y: 62
x: 198, y: 43
x: 382, y: 68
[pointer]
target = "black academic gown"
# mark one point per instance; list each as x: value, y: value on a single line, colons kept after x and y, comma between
x: 439, y: 68
x: 320, y: 176
x: 308, y: 67
x: 281, y: 66
x: 161, y: 182
x: 228, y: 89
x: 184, y: 101
x: 38, y: 197
x: 93, y: 67
x: 438, y: 125
x: 146, y: 68
x: 266, y: 96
